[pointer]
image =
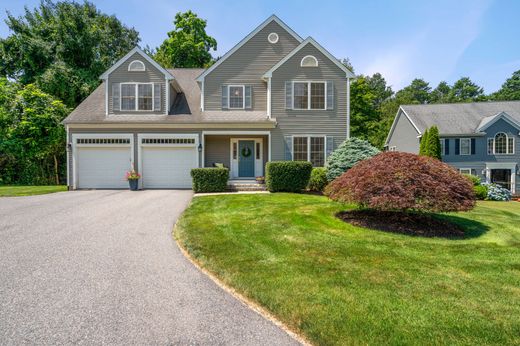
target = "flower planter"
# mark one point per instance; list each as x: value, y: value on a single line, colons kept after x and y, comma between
x: 133, y: 184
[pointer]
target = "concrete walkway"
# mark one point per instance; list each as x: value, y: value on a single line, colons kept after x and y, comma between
x: 101, y: 267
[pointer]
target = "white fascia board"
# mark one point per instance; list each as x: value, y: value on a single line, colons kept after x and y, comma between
x: 247, y: 38
x: 495, y: 118
x: 136, y: 49
x: 396, y: 119
x: 310, y: 40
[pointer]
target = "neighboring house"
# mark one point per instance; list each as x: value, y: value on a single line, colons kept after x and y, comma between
x: 274, y: 96
x: 477, y: 138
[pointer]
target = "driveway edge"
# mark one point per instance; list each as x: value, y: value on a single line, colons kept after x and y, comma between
x: 241, y: 298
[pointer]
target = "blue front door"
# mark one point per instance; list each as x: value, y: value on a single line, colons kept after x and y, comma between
x: 246, y: 159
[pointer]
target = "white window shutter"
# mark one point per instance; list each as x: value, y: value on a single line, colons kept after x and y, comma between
x: 225, y: 104
x: 115, y: 97
x: 288, y: 148
x: 330, y: 95
x: 248, y: 97
x: 288, y: 95
x: 157, y: 96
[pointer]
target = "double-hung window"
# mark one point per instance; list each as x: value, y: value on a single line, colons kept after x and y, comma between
x: 309, y: 95
x: 137, y: 96
x: 465, y: 146
x: 309, y: 148
x: 236, y: 96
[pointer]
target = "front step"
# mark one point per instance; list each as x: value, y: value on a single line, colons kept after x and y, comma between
x: 245, y: 186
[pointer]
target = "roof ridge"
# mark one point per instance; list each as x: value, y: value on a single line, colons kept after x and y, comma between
x: 458, y: 103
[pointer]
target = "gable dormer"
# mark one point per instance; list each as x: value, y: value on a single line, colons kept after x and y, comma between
x: 241, y: 69
x: 136, y: 84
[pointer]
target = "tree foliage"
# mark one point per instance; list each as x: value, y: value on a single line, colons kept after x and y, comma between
x: 510, y: 90
x: 32, y: 139
x: 63, y: 47
x: 395, y: 181
x: 188, y: 45
x: 350, y: 152
x: 465, y: 90
x: 433, y: 147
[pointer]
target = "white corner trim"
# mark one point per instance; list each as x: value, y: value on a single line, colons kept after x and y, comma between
x: 269, y: 98
x: 138, y: 50
x: 202, y: 96
x: 167, y: 94
x: 247, y: 38
x: 106, y: 97
x: 348, y: 108
x: 310, y: 40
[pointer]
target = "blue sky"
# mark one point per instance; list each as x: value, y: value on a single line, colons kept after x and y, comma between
x: 434, y: 40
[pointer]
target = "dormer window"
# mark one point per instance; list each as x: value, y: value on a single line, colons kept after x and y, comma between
x: 137, y: 96
x: 236, y: 96
x: 136, y: 66
x: 309, y: 61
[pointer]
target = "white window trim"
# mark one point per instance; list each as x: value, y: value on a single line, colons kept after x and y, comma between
x: 392, y: 148
x: 443, y: 146
x: 460, y: 146
x: 136, y: 97
x: 309, y: 146
x: 134, y: 70
x: 465, y: 169
x: 309, y: 56
x: 243, y: 96
x: 309, y: 95
x: 507, y: 144
x: 274, y: 41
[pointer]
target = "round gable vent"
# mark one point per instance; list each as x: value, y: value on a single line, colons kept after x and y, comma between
x: 273, y: 37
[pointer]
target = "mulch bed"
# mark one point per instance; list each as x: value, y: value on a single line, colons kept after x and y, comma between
x: 423, y: 225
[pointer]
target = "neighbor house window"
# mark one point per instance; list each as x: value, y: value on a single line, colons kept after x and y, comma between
x: 465, y: 171
x: 309, y: 95
x: 392, y: 148
x: 465, y: 146
x: 501, y: 144
x: 236, y: 96
x: 136, y: 96
x: 309, y: 61
x: 442, y: 146
x: 309, y: 148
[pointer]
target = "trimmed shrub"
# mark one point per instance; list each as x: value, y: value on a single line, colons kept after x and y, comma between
x: 424, y: 143
x: 497, y: 193
x: 289, y: 176
x: 481, y: 192
x: 209, y: 179
x: 396, y: 181
x: 347, y: 155
x: 474, y: 179
x: 318, y: 179
x: 433, y: 146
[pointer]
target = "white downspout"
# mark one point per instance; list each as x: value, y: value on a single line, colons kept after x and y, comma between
x: 348, y: 108
x: 269, y: 97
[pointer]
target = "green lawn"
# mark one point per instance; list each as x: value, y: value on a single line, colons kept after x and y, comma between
x: 12, y: 190
x: 340, y: 284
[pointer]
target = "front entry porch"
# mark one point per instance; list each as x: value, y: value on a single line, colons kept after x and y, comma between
x: 503, y: 174
x: 243, y: 153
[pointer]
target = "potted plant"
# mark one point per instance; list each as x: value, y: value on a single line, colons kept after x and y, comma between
x: 260, y: 180
x: 133, y: 179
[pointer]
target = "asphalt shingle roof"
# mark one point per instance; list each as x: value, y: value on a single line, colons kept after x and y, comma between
x: 186, y: 109
x: 459, y: 118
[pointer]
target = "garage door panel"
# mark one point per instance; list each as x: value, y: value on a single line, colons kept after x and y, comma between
x: 103, y: 167
x: 168, y: 167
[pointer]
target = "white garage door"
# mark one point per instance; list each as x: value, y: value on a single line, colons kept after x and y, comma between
x: 101, y: 166
x: 168, y: 166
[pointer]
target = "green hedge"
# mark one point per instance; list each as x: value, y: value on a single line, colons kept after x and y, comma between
x: 318, y: 179
x: 289, y: 176
x: 210, y: 179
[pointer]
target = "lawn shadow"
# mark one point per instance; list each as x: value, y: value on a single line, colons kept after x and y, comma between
x: 415, y: 224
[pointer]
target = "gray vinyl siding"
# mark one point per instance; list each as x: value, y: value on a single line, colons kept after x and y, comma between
x: 218, y: 149
x: 308, y: 122
x: 247, y: 65
x: 404, y: 135
x: 122, y: 75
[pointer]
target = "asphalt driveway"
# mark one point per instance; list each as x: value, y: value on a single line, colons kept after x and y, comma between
x: 101, y: 267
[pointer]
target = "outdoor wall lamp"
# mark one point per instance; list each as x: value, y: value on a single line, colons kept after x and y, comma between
x: 200, y: 147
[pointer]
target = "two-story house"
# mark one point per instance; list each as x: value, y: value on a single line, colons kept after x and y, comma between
x: 273, y: 96
x: 476, y: 138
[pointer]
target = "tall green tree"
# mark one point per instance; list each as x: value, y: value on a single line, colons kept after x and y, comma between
x: 433, y: 147
x: 510, y: 90
x: 417, y: 92
x: 465, y: 90
x: 423, y: 147
x: 188, y: 45
x: 441, y: 93
x: 32, y: 139
x: 63, y: 47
